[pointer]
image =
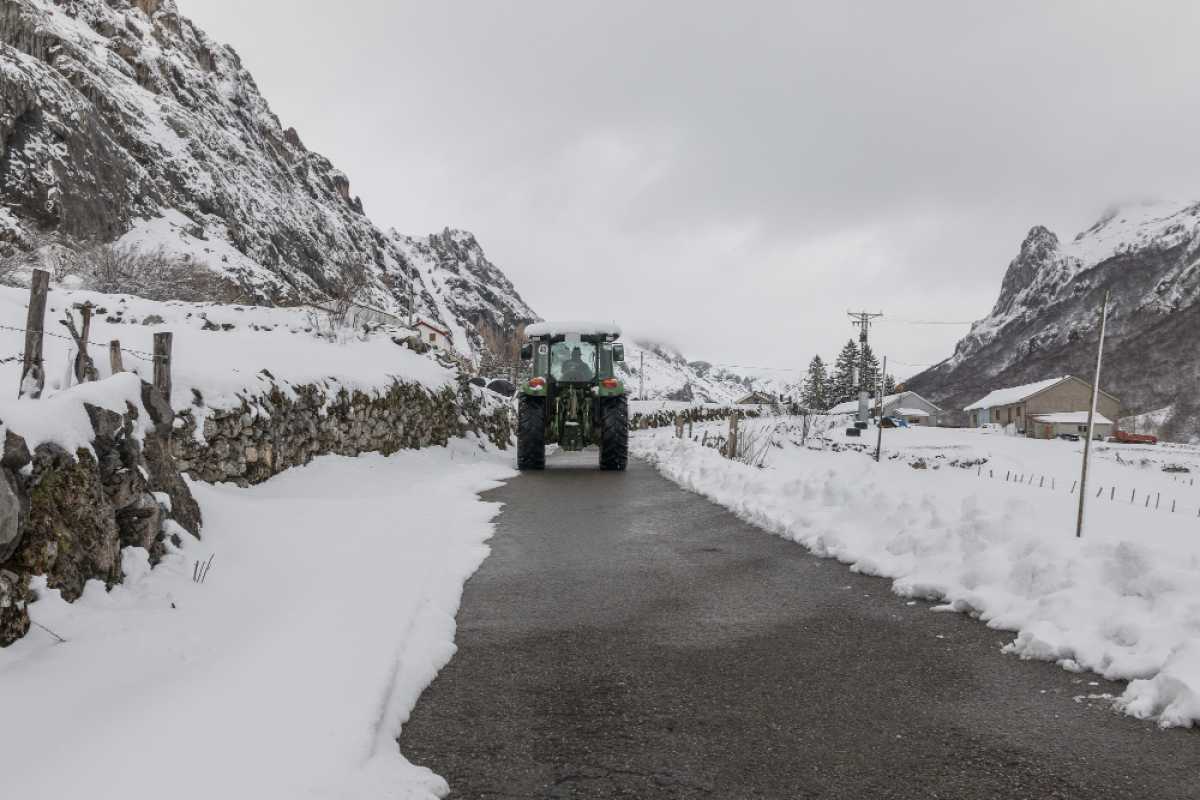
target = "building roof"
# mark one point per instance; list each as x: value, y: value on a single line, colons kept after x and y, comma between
x: 1013, y: 394
x: 910, y: 412
x: 1072, y: 418
x: 432, y: 327
x: 850, y: 406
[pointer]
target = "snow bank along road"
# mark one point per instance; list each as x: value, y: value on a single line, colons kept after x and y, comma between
x: 629, y: 639
x: 284, y: 675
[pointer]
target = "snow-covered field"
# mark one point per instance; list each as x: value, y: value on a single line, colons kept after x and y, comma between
x: 213, y: 367
x: 329, y: 605
x: 1123, y: 601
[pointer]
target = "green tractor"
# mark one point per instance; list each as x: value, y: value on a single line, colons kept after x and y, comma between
x: 573, y: 397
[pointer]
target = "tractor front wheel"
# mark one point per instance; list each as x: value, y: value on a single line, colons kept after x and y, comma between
x: 531, y: 433
x: 614, y: 433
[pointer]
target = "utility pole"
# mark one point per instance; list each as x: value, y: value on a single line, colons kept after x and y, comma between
x: 1087, y: 445
x: 642, y: 375
x: 862, y: 321
x: 879, y: 412
x: 412, y: 298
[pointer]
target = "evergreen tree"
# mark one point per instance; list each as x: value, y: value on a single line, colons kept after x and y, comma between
x: 842, y: 386
x: 869, y: 365
x: 889, y: 384
x: 816, y: 386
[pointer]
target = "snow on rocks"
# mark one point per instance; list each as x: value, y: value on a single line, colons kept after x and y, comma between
x: 267, y: 680
x: 1124, y: 601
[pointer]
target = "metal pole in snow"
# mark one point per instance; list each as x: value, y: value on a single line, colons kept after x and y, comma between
x: 879, y: 415
x: 1087, y: 445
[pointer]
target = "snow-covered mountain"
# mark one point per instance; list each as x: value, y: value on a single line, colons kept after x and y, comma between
x: 121, y: 120
x: 1046, y: 319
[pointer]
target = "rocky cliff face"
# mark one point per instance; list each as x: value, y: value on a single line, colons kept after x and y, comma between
x: 122, y: 120
x: 1046, y: 319
x: 477, y: 301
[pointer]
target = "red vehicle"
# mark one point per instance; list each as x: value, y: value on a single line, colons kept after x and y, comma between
x: 1124, y: 437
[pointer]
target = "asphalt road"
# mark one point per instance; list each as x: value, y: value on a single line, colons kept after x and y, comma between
x: 629, y: 639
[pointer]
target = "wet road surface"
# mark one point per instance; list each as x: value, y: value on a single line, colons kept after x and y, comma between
x: 629, y: 639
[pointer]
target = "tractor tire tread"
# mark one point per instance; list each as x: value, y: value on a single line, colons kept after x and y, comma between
x: 531, y: 434
x: 614, y: 433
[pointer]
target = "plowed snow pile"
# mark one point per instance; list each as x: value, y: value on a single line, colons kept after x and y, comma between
x: 1124, y: 601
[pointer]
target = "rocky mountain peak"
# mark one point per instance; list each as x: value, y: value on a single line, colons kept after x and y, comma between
x: 1045, y: 320
x: 1039, y: 251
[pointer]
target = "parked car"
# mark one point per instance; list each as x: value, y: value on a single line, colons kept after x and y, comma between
x: 992, y: 427
x: 1069, y: 437
x: 1124, y: 437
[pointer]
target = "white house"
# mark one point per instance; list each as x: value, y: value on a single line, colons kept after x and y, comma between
x: 909, y: 406
x: 432, y: 335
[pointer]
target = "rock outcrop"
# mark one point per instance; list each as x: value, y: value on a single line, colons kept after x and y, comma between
x: 67, y: 515
x: 121, y: 120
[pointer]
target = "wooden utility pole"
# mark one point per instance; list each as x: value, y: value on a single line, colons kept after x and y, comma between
x: 1087, y: 445
x: 114, y: 356
x: 33, y: 370
x: 162, y: 365
x: 642, y: 376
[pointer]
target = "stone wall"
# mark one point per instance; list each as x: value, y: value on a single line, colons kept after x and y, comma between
x: 666, y: 418
x: 67, y: 515
x: 287, y: 426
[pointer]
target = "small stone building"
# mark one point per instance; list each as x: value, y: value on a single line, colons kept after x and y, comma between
x: 758, y: 399
x: 1021, y: 406
x: 433, y: 335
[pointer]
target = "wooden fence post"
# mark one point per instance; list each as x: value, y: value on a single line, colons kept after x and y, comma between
x: 162, y: 365
x: 33, y: 371
x: 114, y: 356
x: 733, y: 436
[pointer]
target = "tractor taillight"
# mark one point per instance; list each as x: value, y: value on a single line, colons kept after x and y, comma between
x: 610, y: 383
x: 537, y: 383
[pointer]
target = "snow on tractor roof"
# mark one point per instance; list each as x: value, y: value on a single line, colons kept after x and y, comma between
x: 582, y: 328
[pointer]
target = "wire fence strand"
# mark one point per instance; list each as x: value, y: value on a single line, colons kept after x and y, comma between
x: 140, y: 354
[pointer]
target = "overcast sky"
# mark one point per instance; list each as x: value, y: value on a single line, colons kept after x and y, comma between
x: 732, y: 177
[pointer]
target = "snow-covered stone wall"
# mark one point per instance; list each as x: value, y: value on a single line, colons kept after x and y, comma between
x: 67, y: 513
x: 287, y: 426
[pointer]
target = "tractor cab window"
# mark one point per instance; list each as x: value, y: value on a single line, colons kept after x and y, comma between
x: 573, y: 362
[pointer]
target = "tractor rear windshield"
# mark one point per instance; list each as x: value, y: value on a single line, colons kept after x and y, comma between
x: 573, y: 362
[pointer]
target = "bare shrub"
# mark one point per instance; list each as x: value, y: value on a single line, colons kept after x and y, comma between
x: 345, y: 309
x: 754, y: 443
x: 154, y: 275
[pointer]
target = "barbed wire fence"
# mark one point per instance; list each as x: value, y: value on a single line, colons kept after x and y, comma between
x: 33, y: 370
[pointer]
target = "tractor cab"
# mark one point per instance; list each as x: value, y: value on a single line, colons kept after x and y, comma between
x: 573, y: 397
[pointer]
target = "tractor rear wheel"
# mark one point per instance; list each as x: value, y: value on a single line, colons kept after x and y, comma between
x: 531, y: 433
x: 614, y: 432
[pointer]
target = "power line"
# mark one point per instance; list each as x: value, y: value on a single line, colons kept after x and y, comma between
x: 929, y: 321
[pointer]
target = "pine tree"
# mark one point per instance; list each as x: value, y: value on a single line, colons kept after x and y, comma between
x: 816, y: 386
x: 889, y: 384
x: 842, y: 386
x: 869, y: 365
